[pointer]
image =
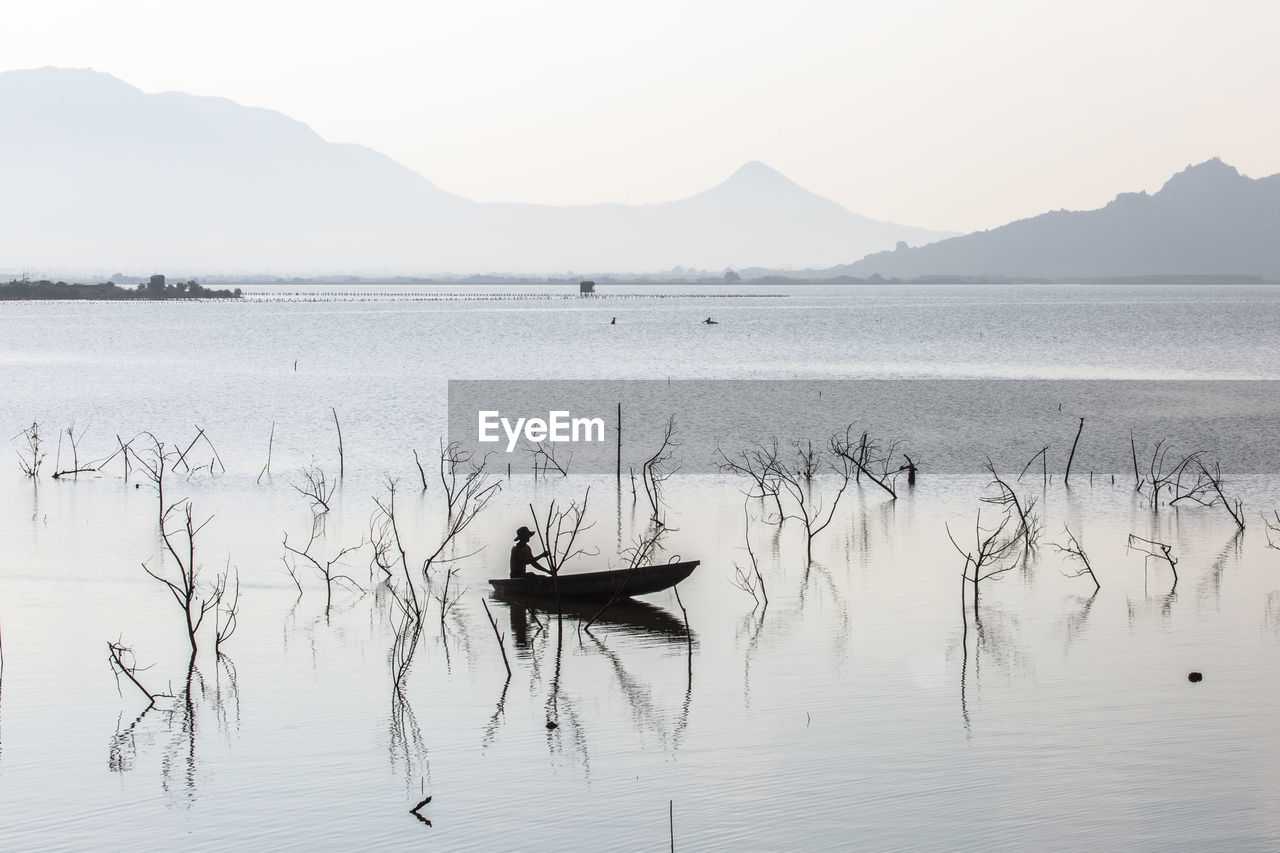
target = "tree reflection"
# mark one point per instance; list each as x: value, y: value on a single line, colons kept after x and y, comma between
x: 1077, y: 616
x: 997, y: 648
x: 177, y: 723
x: 406, y: 748
x: 1210, y: 587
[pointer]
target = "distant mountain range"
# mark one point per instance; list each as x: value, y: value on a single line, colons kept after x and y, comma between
x: 97, y: 175
x: 1208, y: 220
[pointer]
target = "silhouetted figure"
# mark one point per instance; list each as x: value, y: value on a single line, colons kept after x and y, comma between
x: 522, y: 554
x: 613, y: 322
x: 911, y: 470
x: 710, y: 322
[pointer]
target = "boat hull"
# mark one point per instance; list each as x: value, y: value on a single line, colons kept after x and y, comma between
x: 597, y: 586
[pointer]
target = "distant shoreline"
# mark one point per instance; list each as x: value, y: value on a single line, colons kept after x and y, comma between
x: 762, y: 278
x: 45, y: 290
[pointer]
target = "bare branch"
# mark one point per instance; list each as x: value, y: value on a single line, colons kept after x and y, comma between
x: 1075, y: 551
x: 1158, y: 550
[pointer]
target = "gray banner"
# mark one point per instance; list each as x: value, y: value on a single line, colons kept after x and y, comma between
x: 946, y: 426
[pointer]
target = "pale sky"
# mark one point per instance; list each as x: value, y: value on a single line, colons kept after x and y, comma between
x: 935, y: 113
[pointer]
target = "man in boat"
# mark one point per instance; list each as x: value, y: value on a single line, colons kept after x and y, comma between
x: 522, y: 554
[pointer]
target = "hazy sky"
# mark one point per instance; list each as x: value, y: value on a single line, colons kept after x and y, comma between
x: 935, y: 113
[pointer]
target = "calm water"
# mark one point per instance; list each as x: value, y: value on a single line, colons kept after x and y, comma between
x: 850, y: 713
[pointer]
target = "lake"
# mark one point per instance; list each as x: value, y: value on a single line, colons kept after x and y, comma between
x: 867, y: 705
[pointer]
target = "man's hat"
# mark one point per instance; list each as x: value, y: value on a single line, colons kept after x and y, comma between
x: 523, y: 533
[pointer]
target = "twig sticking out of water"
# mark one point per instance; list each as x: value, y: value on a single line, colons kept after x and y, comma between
x: 422, y: 474
x: 224, y: 619
x: 1042, y: 454
x: 342, y: 463
x: 688, y: 634
x: 1234, y: 508
x: 271, y: 440
x: 182, y: 455
x: 753, y: 584
x: 74, y: 441
x: 415, y: 811
x: 1066, y: 477
x: 501, y: 645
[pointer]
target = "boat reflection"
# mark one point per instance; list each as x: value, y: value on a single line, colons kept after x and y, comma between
x: 630, y: 617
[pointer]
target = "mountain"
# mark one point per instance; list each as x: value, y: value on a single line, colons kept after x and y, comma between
x: 98, y: 175
x: 1206, y: 220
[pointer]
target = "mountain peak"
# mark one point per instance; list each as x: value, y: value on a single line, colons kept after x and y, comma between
x: 1206, y: 176
x: 757, y: 174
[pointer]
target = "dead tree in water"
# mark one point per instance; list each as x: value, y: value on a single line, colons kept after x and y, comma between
x: 325, y: 568
x: 180, y: 543
x: 756, y: 463
x: 184, y: 585
x: 544, y: 461
x: 805, y: 505
x: 1075, y: 551
x: 123, y: 662
x: 1066, y: 477
x: 466, y: 486
x: 30, y: 457
x: 1191, y: 479
x: 790, y: 483
x: 225, y: 620
x: 1028, y: 527
x: 501, y: 645
x: 1042, y: 454
x: 875, y: 461
x: 557, y: 534
x: 75, y: 468
x: 316, y: 488
x: 558, y: 531
x: 659, y: 467
x: 1213, y: 482
x: 342, y: 459
x: 467, y: 489
x: 751, y: 582
x: 995, y: 551
x: 1159, y: 550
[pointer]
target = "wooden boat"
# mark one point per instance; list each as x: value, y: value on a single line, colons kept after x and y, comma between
x: 596, y: 586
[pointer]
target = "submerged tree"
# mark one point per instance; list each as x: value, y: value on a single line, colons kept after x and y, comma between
x: 1074, y: 550
x: 30, y: 457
